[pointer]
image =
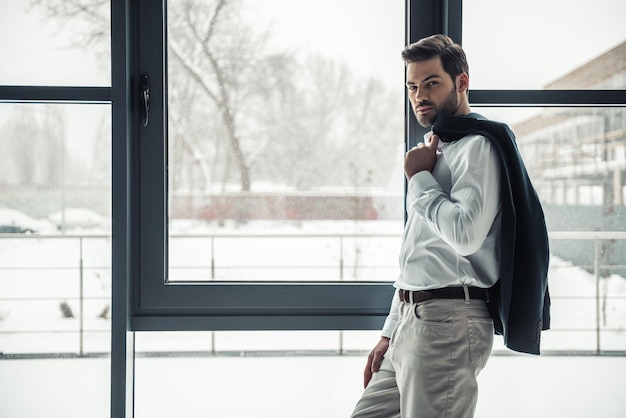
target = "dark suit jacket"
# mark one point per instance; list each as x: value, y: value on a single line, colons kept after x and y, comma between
x: 520, y: 300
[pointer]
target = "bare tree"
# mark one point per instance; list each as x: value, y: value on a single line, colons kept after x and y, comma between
x: 235, y: 107
x: 34, y: 137
x: 87, y: 20
x: 328, y: 125
x: 19, y: 140
x: 202, y: 39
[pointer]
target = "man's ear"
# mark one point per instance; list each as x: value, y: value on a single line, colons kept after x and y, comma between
x: 462, y: 82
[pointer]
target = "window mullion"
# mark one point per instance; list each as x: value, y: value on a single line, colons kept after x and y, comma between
x: 546, y: 98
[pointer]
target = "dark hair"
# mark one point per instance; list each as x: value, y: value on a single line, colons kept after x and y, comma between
x: 452, y: 55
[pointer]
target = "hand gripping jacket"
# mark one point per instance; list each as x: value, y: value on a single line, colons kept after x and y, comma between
x: 520, y: 301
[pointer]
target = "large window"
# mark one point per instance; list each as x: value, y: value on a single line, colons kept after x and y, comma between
x: 261, y: 173
x: 279, y: 151
x: 250, y: 191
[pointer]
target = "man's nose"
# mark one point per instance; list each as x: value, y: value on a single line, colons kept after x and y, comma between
x: 420, y: 96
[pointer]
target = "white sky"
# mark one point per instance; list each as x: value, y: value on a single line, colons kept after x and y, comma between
x: 369, y: 39
x: 527, y: 44
x: 34, y: 51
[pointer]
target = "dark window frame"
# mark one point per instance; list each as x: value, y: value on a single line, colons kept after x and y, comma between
x: 156, y: 305
x: 128, y: 313
x: 236, y: 306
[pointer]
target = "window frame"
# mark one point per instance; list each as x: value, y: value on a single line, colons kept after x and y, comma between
x: 130, y: 313
x: 157, y: 305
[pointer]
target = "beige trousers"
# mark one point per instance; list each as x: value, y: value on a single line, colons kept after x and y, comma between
x: 435, y: 354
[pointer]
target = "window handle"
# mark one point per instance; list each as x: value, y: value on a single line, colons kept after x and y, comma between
x: 144, y: 99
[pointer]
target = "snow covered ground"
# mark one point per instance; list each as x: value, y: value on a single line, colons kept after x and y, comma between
x: 40, y: 280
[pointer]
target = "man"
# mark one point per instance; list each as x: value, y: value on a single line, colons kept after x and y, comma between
x: 439, y: 332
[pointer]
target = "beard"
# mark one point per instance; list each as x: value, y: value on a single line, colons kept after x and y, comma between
x: 448, y: 107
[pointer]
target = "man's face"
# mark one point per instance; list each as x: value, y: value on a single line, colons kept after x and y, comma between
x: 432, y: 92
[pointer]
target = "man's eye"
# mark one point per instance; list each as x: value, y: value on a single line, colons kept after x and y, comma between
x: 412, y: 88
x: 432, y: 84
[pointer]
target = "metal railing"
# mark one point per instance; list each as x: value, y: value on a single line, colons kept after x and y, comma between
x: 78, y: 264
x: 599, y: 269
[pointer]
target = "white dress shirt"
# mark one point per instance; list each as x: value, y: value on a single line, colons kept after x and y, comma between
x: 453, y: 227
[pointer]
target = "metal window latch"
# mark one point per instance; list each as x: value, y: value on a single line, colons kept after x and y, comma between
x: 144, y: 99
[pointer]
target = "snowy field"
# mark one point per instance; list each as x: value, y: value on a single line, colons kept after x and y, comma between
x: 41, y: 280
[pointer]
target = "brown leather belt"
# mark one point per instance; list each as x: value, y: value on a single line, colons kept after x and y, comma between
x: 418, y: 296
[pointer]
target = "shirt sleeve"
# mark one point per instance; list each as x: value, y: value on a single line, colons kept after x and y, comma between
x: 392, y: 318
x: 462, y: 219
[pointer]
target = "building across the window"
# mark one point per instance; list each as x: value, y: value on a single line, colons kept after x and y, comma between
x: 576, y: 157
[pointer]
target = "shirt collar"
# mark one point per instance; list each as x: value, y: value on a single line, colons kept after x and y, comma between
x: 440, y: 145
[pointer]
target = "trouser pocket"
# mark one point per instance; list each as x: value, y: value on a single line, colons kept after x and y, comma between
x: 480, y: 331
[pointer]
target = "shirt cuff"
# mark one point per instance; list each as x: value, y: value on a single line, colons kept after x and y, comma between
x: 387, y: 330
x: 420, y: 182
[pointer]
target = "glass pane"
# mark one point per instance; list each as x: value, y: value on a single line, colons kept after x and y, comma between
x: 55, y: 42
x: 536, y: 44
x: 285, y: 143
x: 55, y: 260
